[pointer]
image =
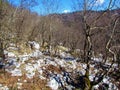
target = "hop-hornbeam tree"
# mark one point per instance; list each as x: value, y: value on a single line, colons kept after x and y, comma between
x: 89, y: 28
x: 13, y: 23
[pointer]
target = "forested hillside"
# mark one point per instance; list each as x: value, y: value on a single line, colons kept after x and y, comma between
x: 67, y: 51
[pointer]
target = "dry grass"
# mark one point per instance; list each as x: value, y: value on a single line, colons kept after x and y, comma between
x: 31, y: 84
x: 36, y: 84
x: 7, y: 79
x: 53, y: 69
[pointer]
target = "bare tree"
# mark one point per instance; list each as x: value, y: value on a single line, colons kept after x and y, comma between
x: 4, y: 33
x: 12, y: 21
x: 88, y: 27
x: 48, y: 7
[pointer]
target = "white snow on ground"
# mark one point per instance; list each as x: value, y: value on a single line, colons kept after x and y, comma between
x: 91, y: 77
x: 34, y: 44
x: 33, y: 66
x: 16, y: 72
x: 39, y: 65
x: 97, y: 59
x: 53, y: 84
x: 61, y: 62
x: 112, y: 87
x: 19, y: 85
x: 36, y: 53
x: 84, y: 66
x: 3, y: 87
x: 30, y: 70
x: 96, y: 86
x: 106, y: 80
x: 10, y: 54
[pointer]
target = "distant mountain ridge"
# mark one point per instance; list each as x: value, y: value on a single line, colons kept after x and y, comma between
x: 100, y: 37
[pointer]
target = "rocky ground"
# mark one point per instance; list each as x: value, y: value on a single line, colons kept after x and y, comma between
x: 37, y: 71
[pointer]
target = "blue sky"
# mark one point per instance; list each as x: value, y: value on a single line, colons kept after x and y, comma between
x: 65, y: 6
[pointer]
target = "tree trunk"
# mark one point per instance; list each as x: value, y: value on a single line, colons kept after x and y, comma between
x: 1, y: 50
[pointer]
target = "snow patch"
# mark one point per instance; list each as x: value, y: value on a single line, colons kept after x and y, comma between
x: 10, y: 54
x: 34, y: 44
x: 16, y: 72
x: 53, y: 84
x: 30, y: 70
